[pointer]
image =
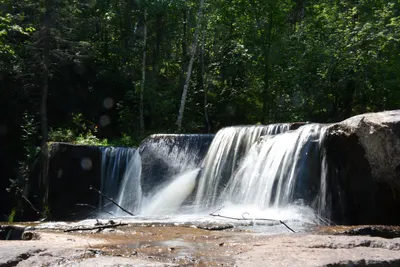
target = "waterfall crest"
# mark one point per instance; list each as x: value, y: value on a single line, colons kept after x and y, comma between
x: 224, y: 155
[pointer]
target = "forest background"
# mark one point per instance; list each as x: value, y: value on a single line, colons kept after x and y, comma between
x: 110, y: 72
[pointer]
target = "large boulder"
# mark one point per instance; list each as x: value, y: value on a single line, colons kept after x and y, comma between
x: 72, y: 170
x: 363, y: 153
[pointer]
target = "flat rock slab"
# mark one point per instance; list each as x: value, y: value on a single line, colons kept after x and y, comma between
x: 322, y: 250
x: 186, y: 246
x: 48, y: 249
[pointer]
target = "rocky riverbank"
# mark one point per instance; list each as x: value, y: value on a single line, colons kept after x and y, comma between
x: 101, y: 244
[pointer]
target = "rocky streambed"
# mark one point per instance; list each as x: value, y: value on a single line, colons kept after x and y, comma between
x: 111, y: 243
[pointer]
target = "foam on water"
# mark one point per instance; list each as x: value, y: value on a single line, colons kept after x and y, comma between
x: 290, y: 212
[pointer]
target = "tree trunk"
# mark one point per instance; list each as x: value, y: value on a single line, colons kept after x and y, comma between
x: 184, y: 50
x: 143, y: 75
x: 204, y: 84
x: 44, y: 94
x: 190, y: 66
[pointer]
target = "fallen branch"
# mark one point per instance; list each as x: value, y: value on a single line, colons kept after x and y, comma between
x: 98, y: 227
x: 263, y: 219
x: 112, y: 200
x: 27, y: 200
x: 249, y: 219
x: 227, y: 217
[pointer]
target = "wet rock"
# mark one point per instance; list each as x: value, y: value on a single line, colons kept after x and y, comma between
x: 363, y: 153
x: 27, y: 235
x: 296, y: 125
x: 214, y: 226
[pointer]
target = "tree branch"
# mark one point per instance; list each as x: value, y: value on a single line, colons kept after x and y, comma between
x: 99, y: 227
x: 110, y: 199
x: 248, y: 219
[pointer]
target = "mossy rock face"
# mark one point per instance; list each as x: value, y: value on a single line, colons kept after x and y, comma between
x: 363, y: 153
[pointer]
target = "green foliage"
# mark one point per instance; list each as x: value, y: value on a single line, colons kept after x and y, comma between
x: 62, y: 135
x: 79, y: 133
x: 125, y: 140
x: 257, y: 61
x: 11, y: 217
x: 90, y: 139
x: 284, y: 60
x: 67, y: 135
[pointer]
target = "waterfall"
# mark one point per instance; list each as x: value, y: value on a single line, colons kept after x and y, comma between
x: 227, y: 149
x: 162, y: 172
x: 114, y: 161
x: 171, y: 196
x: 130, y: 194
x: 269, y: 171
x: 282, y: 170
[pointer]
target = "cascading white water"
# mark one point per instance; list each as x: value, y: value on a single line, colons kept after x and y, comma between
x: 130, y: 194
x: 171, y: 196
x: 280, y: 171
x: 162, y: 173
x: 267, y: 171
x: 228, y: 147
x: 114, y: 162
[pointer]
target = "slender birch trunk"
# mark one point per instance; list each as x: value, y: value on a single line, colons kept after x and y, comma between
x: 190, y: 67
